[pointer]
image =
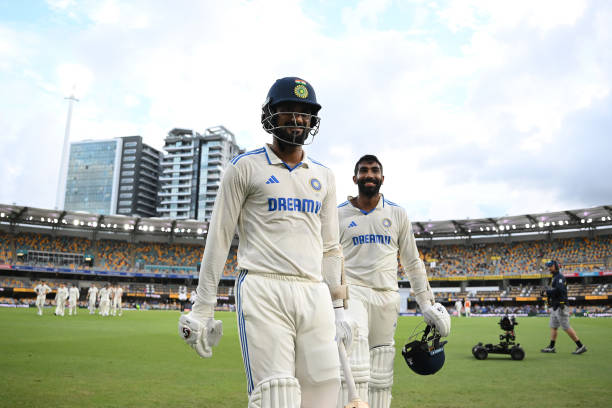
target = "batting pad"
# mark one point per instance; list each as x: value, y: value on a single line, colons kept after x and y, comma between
x: 381, y: 376
x: 276, y: 393
x: 359, y: 359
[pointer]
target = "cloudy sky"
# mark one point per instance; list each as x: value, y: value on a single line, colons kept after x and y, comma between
x: 476, y: 108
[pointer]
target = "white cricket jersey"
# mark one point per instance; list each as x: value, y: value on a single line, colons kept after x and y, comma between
x: 104, y: 294
x: 286, y: 219
x: 42, y: 290
x: 74, y: 293
x: 371, y: 241
x: 92, y: 293
x: 62, y: 294
x: 117, y: 295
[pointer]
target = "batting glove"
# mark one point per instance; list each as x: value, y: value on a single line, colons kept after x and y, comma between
x: 201, y: 334
x: 437, y: 316
x: 345, y: 329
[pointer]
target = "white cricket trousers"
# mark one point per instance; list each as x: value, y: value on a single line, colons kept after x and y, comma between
x: 286, y: 328
x: 104, y: 306
x: 117, y: 307
x: 40, y: 303
x: 92, y: 306
x: 72, y: 307
x: 375, y: 312
x: 60, y: 307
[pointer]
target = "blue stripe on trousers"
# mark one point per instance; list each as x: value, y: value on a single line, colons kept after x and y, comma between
x: 242, y: 332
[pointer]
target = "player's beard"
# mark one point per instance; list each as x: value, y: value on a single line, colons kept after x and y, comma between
x: 368, y: 191
x: 292, y: 137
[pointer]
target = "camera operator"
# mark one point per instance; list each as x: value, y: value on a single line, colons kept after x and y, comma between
x: 559, y: 315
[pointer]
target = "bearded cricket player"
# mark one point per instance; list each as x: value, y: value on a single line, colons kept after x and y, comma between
x: 372, y: 232
x: 289, y: 290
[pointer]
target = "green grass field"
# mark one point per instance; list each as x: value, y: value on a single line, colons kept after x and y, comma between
x: 138, y: 360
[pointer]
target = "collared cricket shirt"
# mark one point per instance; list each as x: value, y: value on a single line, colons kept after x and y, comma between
x: 370, y: 244
x: 286, y: 218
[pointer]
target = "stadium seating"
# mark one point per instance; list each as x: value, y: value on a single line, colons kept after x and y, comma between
x: 6, y: 253
x: 517, y: 258
x: 441, y: 261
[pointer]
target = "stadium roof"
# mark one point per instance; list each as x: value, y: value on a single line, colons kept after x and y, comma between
x: 84, y: 221
x: 526, y: 223
x: 586, y: 218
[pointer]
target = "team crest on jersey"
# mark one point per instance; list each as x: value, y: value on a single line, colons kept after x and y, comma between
x: 315, y: 184
x: 386, y: 222
x: 300, y: 91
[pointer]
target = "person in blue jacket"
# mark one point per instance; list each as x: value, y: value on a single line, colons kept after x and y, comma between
x: 559, y: 315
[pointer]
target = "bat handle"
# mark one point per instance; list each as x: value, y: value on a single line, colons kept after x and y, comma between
x: 348, y: 375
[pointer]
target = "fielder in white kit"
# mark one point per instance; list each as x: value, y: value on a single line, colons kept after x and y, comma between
x: 41, y: 296
x: 60, y: 299
x: 289, y: 258
x: 92, y: 295
x: 73, y: 298
x: 111, y: 297
x: 117, y: 294
x: 372, y: 231
x: 458, y: 307
x: 104, y: 305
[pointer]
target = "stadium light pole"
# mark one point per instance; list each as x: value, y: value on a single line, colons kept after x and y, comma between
x: 61, y: 182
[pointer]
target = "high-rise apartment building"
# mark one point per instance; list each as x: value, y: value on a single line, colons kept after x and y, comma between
x: 191, y: 171
x: 217, y: 148
x: 113, y: 176
x: 138, y: 184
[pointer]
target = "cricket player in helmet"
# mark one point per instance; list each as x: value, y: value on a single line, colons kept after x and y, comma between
x: 372, y: 232
x: 289, y: 262
x: 280, y: 118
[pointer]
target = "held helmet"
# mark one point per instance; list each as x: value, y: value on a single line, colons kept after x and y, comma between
x: 295, y: 90
x: 425, y: 356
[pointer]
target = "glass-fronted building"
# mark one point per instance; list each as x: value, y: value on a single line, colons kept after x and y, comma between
x: 92, y: 180
x: 113, y: 176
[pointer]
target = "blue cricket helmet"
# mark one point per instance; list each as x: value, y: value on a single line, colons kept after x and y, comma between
x: 294, y: 90
x: 425, y: 356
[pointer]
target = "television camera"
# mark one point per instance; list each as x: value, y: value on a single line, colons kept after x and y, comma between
x: 506, y: 344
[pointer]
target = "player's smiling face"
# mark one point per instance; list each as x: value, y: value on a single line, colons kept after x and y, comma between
x: 293, y: 119
x: 369, y: 178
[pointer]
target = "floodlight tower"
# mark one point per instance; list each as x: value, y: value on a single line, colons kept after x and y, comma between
x: 61, y: 183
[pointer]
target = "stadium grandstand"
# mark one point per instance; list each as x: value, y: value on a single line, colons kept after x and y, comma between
x: 494, y: 262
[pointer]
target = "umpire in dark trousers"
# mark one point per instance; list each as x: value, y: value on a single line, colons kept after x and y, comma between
x: 559, y: 315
